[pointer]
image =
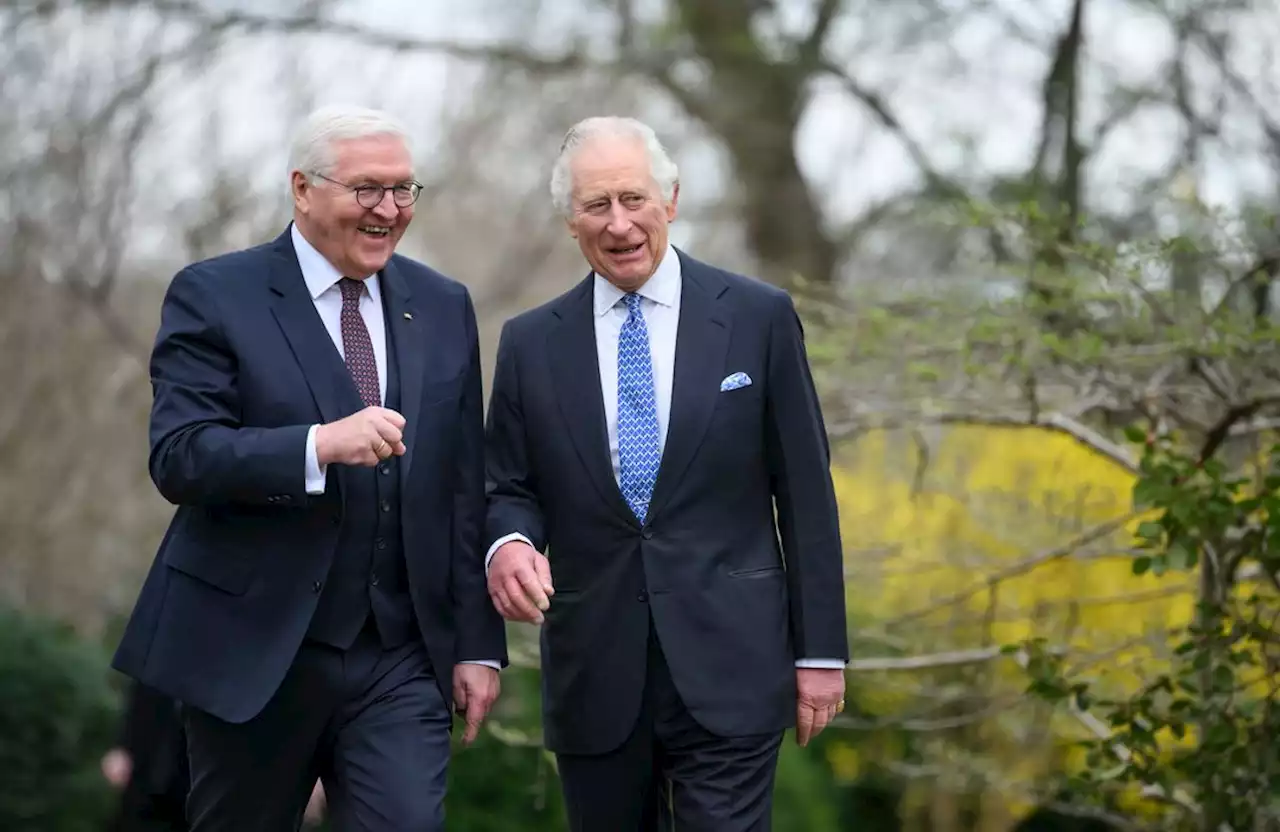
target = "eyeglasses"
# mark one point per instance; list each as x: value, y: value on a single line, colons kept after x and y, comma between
x: 370, y: 196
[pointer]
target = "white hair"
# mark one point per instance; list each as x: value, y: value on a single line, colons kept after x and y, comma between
x: 661, y: 166
x: 313, y: 148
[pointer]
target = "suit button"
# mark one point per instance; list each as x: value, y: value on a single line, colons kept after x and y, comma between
x: 642, y: 597
x: 373, y: 580
x: 316, y: 586
x: 285, y: 498
x: 380, y: 543
x: 386, y: 505
x: 384, y: 468
x: 273, y: 499
x: 646, y: 533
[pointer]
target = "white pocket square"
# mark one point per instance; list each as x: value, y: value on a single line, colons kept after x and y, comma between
x: 735, y: 381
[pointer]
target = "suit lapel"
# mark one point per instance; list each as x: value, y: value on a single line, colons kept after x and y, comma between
x: 702, y: 342
x: 575, y: 369
x: 312, y: 347
x: 404, y: 325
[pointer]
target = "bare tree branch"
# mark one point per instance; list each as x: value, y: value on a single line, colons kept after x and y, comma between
x: 1022, y: 567
x: 1059, y: 422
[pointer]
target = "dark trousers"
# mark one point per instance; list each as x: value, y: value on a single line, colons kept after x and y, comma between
x: 370, y: 724
x: 671, y: 773
x: 154, y: 800
x: 150, y: 813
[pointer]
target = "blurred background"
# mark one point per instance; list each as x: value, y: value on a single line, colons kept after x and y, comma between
x: 1034, y: 247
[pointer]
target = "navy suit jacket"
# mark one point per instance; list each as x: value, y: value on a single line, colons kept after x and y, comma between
x: 242, y: 366
x: 738, y: 565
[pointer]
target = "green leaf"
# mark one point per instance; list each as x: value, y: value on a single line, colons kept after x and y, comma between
x: 1135, y: 434
x: 1181, y: 556
x: 1150, y: 531
x: 1148, y: 493
x: 1112, y: 773
x: 1221, y: 735
x: 1141, y: 564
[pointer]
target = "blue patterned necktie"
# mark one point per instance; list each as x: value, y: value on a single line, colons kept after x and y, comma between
x: 639, y: 453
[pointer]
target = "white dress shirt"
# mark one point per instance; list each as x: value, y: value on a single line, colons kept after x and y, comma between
x: 660, y: 305
x: 322, y: 282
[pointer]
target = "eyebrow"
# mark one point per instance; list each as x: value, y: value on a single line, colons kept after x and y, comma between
x: 369, y: 180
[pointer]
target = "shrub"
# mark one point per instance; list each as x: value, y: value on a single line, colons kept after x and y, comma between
x: 58, y: 716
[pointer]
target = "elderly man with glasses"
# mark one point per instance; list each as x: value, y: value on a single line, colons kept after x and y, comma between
x: 318, y: 604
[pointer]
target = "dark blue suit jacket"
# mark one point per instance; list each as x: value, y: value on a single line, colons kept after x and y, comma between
x: 739, y: 564
x: 242, y: 366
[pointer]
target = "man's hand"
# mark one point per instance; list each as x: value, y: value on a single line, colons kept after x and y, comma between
x: 520, y: 582
x: 475, y: 687
x: 117, y: 767
x: 819, y: 697
x: 365, y: 438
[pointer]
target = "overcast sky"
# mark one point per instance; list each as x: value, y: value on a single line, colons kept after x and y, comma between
x: 982, y: 114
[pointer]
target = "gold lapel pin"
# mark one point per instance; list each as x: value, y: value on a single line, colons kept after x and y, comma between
x: 408, y: 316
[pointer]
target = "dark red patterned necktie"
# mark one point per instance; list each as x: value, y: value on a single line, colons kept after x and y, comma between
x: 357, y: 347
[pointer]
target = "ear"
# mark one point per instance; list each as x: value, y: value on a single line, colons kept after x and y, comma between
x: 572, y: 226
x: 671, y: 206
x: 300, y: 186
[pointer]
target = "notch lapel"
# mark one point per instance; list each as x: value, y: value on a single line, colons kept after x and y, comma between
x: 575, y: 369
x: 702, y: 341
x: 312, y: 347
x: 406, y: 331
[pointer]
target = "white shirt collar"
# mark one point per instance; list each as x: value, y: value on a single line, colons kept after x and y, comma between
x: 662, y: 286
x: 319, y: 273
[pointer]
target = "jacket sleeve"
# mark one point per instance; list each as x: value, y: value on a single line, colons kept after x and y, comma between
x: 481, y: 632
x: 201, y: 454
x: 510, y: 487
x: 808, y: 519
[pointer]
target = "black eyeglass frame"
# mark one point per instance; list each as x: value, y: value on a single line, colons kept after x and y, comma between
x: 369, y: 195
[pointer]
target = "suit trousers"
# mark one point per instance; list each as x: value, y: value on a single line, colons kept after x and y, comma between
x: 371, y: 724
x: 671, y: 773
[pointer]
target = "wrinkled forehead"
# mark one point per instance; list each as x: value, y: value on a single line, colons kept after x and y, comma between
x: 382, y: 158
x: 610, y: 165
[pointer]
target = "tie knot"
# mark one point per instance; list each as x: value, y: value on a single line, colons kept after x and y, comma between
x: 350, y: 289
x: 632, y: 300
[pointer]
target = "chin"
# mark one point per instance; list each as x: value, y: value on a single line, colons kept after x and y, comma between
x: 372, y: 265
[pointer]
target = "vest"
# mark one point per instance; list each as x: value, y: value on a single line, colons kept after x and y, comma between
x: 367, y: 579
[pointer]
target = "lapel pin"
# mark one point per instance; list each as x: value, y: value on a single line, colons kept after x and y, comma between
x: 408, y: 316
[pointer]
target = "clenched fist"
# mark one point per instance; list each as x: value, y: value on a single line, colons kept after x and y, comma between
x: 365, y: 438
x: 520, y: 582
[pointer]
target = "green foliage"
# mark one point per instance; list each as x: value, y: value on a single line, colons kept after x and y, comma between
x: 57, y: 717
x: 506, y: 781
x: 1198, y: 741
x: 804, y: 791
x: 496, y: 787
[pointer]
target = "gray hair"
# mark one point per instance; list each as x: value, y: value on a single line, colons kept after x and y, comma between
x: 664, y: 170
x: 313, y: 145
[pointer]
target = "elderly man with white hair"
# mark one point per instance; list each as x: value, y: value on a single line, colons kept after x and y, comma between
x: 318, y: 605
x: 655, y: 432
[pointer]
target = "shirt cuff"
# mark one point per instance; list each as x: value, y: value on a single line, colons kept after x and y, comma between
x: 821, y: 664
x: 486, y: 662
x: 497, y: 544
x: 315, y: 472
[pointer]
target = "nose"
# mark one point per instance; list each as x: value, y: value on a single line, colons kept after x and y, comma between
x: 386, y: 209
x: 619, y: 221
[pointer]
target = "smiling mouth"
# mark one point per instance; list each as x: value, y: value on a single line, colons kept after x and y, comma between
x: 375, y: 231
x: 625, y: 250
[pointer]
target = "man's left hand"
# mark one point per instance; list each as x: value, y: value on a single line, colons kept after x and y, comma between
x: 475, y: 687
x: 819, y: 697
